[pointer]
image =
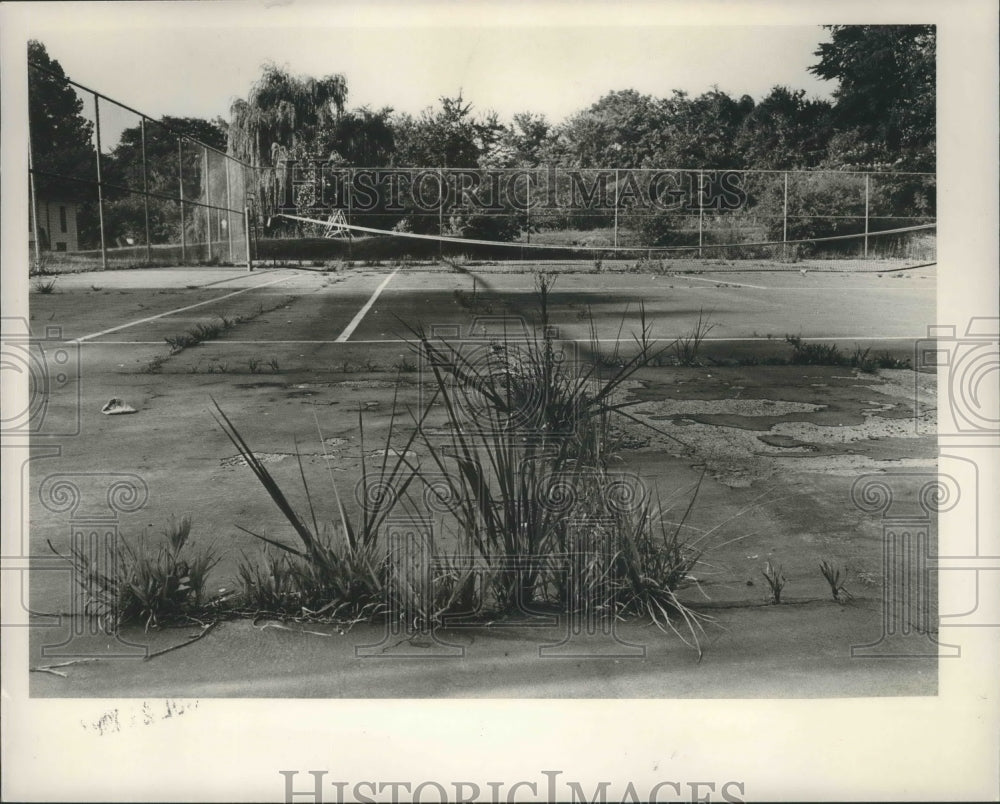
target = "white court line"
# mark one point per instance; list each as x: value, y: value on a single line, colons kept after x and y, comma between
x: 227, y: 279
x: 178, y: 310
x: 342, y: 338
x: 232, y: 342
x: 605, y: 288
x: 813, y: 288
x: 720, y: 282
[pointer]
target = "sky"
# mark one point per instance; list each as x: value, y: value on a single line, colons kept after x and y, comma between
x: 194, y: 59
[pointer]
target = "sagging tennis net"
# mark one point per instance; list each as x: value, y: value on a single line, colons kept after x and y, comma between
x: 885, y: 250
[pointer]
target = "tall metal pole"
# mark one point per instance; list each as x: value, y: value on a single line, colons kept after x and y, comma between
x: 867, y: 176
x: 246, y: 232
x: 321, y: 198
x: 229, y: 217
x: 440, y: 212
x: 349, y: 194
x: 616, y: 209
x: 784, y: 221
x: 180, y: 182
x: 34, y: 207
x: 527, y: 204
x: 701, y: 209
x: 208, y: 200
x: 145, y: 188
x: 349, y: 191
x: 100, y: 187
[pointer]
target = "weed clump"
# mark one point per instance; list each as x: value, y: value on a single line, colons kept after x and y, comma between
x: 822, y: 354
x: 836, y: 581
x: 813, y: 354
x: 687, y: 347
x: 775, y: 581
x: 525, y: 458
x: 334, y: 571
x: 149, y: 583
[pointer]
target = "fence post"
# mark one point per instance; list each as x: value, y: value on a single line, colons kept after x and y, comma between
x: 324, y: 193
x: 701, y: 209
x: 440, y: 213
x: 145, y: 188
x: 33, y: 210
x: 348, y: 200
x: 349, y: 192
x: 616, y: 209
x: 229, y: 217
x: 208, y: 202
x: 180, y: 185
x: 100, y: 186
x: 246, y: 233
x: 784, y: 222
x: 527, y: 205
x: 867, y: 176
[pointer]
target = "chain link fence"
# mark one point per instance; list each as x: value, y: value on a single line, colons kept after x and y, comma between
x: 569, y: 213
x: 138, y: 193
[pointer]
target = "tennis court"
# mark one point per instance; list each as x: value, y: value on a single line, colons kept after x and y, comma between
x: 775, y: 447
x: 330, y: 313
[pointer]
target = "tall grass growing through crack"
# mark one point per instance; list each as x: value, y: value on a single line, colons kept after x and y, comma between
x: 336, y: 570
x: 687, y: 347
x: 524, y: 461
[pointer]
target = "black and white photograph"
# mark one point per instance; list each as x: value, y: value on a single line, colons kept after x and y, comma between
x: 500, y: 402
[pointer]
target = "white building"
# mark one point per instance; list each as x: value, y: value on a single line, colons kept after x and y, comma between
x: 57, y: 228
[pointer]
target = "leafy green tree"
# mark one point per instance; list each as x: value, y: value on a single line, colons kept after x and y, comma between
x: 621, y: 130
x: 123, y: 172
x: 785, y: 130
x: 702, y: 131
x: 124, y: 167
x: 283, y: 115
x: 885, y: 99
x: 526, y: 142
x: 447, y: 137
x: 61, y: 137
x: 453, y: 137
x: 626, y: 129
x: 62, y: 148
x: 361, y: 137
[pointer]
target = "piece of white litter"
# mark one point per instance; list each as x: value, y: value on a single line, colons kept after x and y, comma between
x: 293, y: 630
x: 116, y: 407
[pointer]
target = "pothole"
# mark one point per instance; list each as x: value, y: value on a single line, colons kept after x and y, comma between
x: 878, y: 407
x: 263, y: 457
x: 750, y: 408
x: 392, y: 453
x: 366, y: 384
x: 785, y: 442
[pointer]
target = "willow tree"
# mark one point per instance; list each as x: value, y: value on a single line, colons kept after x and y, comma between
x: 282, y: 118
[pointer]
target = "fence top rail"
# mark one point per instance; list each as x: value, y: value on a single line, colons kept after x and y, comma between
x: 536, y: 168
x: 143, y: 115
